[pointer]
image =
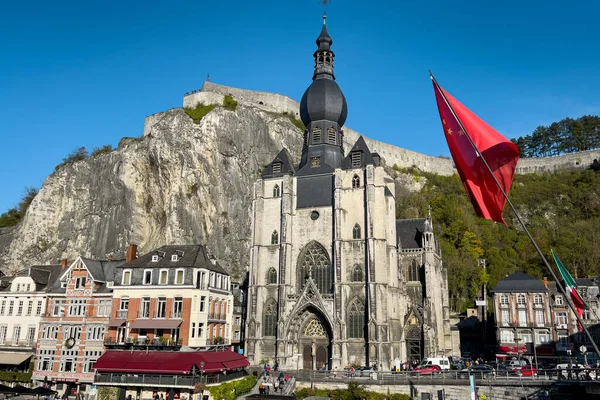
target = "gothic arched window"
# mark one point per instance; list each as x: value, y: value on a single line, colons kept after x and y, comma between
x: 270, y: 318
x: 356, y: 232
x: 356, y: 319
x: 355, y: 182
x: 314, y: 262
x: 272, y: 276
x: 276, y: 191
x: 274, y: 238
x: 357, y: 274
x: 413, y: 271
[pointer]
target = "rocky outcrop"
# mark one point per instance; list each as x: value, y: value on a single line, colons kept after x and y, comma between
x: 180, y: 183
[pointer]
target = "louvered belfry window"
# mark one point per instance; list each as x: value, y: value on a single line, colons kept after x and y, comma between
x: 356, y: 159
x: 316, y: 135
x: 331, y: 135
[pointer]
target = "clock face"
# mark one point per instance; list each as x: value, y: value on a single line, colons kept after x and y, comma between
x: 70, y: 342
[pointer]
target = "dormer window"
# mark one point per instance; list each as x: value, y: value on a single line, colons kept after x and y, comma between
x: 174, y: 257
x: 126, y: 278
x: 155, y: 258
x: 315, y: 161
x: 331, y: 135
x: 356, y: 157
x: 276, y: 167
x: 148, y: 277
x: 316, y: 135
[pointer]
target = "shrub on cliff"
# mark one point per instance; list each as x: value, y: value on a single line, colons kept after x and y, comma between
x: 229, y: 103
x: 14, y: 215
x: 78, y: 154
x: 198, y: 112
x: 107, y: 148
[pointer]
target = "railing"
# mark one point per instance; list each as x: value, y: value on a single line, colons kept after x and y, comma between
x: 217, y: 316
x: 176, y: 314
x: 188, y: 381
x: 122, y: 314
x: 144, y: 314
x: 135, y: 342
x: 458, y: 377
x: 159, y: 314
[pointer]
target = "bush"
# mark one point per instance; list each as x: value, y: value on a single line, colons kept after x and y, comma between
x: 107, y: 148
x: 197, y: 113
x: 108, y: 393
x: 231, y: 390
x: 14, y: 215
x: 354, y: 391
x: 78, y: 154
x: 229, y: 103
x: 8, y: 376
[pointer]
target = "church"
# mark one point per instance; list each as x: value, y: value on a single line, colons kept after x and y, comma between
x: 334, y: 278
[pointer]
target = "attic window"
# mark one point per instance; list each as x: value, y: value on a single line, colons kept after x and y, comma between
x: 174, y: 257
x: 155, y: 258
x: 331, y: 135
x: 276, y: 167
x: 315, y: 161
x: 316, y: 135
x: 356, y: 159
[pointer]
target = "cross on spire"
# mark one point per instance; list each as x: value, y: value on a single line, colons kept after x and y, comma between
x: 324, y: 2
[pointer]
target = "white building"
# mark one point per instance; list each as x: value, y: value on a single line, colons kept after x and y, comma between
x: 22, y: 303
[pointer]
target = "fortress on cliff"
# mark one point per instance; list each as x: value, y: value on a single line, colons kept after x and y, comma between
x: 212, y: 93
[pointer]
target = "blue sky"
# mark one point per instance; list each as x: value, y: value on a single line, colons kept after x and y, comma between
x: 78, y: 73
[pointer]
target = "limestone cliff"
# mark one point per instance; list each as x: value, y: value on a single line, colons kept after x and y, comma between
x: 180, y: 183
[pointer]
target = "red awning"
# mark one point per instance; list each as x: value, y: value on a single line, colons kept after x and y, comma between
x: 169, y: 362
x: 155, y: 323
x: 236, y: 364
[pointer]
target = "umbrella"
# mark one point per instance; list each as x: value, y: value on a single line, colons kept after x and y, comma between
x: 21, y: 390
x: 40, y: 390
x: 6, y: 389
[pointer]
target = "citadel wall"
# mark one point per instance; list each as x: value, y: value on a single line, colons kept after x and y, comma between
x: 212, y: 93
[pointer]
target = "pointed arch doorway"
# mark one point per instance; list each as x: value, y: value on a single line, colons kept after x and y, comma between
x: 314, y: 339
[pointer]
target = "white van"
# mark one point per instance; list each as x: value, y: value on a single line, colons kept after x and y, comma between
x: 441, y: 362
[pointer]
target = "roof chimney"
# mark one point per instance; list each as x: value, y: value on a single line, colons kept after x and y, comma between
x: 131, y: 253
x: 64, y: 263
x: 546, y: 282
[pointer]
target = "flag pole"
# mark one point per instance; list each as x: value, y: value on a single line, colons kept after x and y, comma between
x: 537, y: 248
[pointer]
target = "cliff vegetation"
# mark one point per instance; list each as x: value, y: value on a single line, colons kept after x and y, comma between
x: 561, y: 210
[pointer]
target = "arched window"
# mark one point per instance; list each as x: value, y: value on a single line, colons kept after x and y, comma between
x: 276, y: 191
x: 355, y: 182
x: 274, y: 238
x: 357, y: 274
x: 270, y: 318
x: 314, y: 262
x: 356, y: 319
x: 356, y: 232
x: 521, y: 300
x: 272, y: 276
x: 413, y: 271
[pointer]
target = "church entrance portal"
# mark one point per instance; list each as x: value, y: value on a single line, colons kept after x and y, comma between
x: 315, y: 342
x: 414, y: 347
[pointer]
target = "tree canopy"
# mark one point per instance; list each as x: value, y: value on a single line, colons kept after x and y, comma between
x: 561, y: 210
x: 566, y: 136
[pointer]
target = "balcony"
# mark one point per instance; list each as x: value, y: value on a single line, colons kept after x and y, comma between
x: 122, y: 314
x: 176, y: 315
x: 154, y: 344
x: 538, y: 305
x: 217, y: 317
x: 144, y: 314
x: 562, y: 326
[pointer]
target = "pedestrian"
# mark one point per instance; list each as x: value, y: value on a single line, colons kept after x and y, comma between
x: 276, y: 386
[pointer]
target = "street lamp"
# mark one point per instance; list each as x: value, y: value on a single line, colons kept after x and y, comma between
x: 201, y: 370
x: 517, y: 340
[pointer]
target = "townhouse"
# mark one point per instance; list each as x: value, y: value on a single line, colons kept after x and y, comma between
x: 73, y: 325
x: 22, y: 302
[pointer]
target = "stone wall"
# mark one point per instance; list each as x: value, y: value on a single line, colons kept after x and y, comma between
x: 419, y: 388
x: 212, y: 93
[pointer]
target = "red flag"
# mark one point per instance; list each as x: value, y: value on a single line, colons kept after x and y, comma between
x: 499, y: 152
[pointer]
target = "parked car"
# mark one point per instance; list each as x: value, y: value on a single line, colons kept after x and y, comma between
x: 527, y: 370
x: 427, y: 370
x: 365, y: 371
x: 441, y: 362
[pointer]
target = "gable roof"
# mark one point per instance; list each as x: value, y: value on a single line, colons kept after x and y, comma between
x: 409, y: 233
x: 519, y: 282
x: 193, y: 255
x: 100, y: 270
x: 287, y: 166
x: 366, y: 159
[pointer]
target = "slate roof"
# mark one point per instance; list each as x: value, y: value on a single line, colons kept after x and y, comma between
x: 519, y: 282
x: 193, y: 255
x: 287, y: 166
x: 409, y: 233
x: 101, y: 271
x: 42, y: 275
x: 366, y: 159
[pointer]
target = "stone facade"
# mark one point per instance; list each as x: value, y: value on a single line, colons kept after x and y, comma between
x: 334, y: 278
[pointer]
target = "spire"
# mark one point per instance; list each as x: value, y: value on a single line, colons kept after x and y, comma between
x: 324, y: 56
